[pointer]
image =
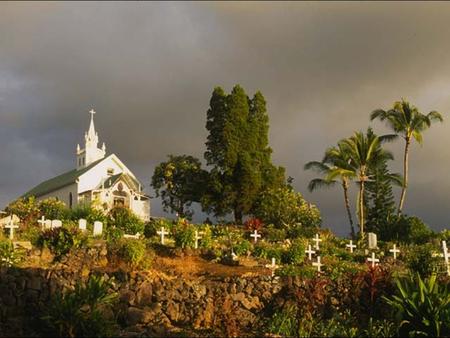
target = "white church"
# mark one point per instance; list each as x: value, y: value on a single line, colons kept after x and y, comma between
x: 99, y: 179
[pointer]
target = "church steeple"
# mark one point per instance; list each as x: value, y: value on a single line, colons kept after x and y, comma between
x: 91, y: 152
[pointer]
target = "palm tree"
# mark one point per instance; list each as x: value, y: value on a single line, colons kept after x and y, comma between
x: 406, y: 120
x: 334, y: 165
x: 364, y: 151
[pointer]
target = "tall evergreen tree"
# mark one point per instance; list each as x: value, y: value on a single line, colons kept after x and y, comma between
x: 238, y: 153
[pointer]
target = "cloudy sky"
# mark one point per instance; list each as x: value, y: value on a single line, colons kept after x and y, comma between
x: 148, y: 69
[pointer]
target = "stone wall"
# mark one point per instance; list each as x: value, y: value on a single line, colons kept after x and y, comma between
x: 150, y: 303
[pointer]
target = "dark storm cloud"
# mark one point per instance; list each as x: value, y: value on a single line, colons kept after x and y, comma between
x: 149, y: 68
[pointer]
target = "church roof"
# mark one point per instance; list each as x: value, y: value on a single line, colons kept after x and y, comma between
x: 132, y: 182
x: 59, y: 181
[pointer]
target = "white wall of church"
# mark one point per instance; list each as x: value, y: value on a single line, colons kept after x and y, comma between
x: 63, y: 195
x: 92, y: 178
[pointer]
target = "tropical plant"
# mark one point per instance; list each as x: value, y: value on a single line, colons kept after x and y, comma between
x: 52, y: 208
x: 184, y: 234
x: 406, y: 120
x: 364, y: 151
x: 132, y: 251
x: 79, y: 313
x: 8, y: 255
x: 422, y: 306
x: 335, y: 166
x: 61, y: 240
x: 124, y: 219
x: 26, y: 208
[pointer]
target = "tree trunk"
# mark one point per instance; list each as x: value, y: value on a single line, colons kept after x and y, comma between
x: 405, y: 174
x: 347, y: 206
x: 361, y: 204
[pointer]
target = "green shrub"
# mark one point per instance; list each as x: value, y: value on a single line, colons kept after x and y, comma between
x: 295, y: 254
x: 9, y: 256
x: 53, y: 208
x: 184, y: 235
x: 124, y: 219
x: 422, y: 306
x: 132, y: 251
x: 89, y: 213
x: 407, y: 229
x: 267, y: 251
x: 61, y: 240
x: 419, y: 258
x: 206, y: 241
x: 242, y: 247
x: 80, y: 313
x: 284, y: 322
x: 297, y: 230
x: 272, y: 234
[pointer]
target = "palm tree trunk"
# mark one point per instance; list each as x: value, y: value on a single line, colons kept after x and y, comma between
x: 361, y: 204
x: 405, y: 174
x: 347, y: 206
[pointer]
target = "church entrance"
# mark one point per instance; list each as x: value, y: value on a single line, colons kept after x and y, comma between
x: 121, y: 198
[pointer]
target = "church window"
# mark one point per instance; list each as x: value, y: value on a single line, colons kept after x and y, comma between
x: 110, y: 171
x: 83, y: 161
x: 70, y: 200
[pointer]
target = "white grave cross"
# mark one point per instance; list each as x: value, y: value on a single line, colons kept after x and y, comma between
x: 255, y: 236
x: 373, y: 260
x: 351, y: 246
x: 196, y: 238
x: 272, y: 266
x: 162, y: 233
x: 395, y: 251
x: 98, y: 228
x: 310, y: 252
x: 317, y: 240
x: 11, y: 226
x: 42, y: 222
x: 318, y: 264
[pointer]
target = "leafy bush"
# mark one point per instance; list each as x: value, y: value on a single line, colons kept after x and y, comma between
x: 267, y: 251
x: 52, y: 208
x: 419, y: 258
x: 295, y: 254
x: 26, y: 209
x: 242, y: 247
x: 406, y: 229
x: 79, y: 313
x: 253, y: 224
x: 283, y: 207
x: 206, y: 241
x: 89, y: 213
x: 61, y: 240
x: 272, y: 234
x: 422, y: 307
x: 134, y: 252
x: 284, y: 323
x: 9, y: 256
x: 184, y: 234
x: 124, y: 219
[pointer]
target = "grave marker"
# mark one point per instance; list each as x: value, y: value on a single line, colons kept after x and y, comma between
x: 351, y: 246
x: 372, y: 241
x: 255, y: 236
x: 310, y: 252
x: 42, y: 222
x: 318, y: 264
x: 56, y: 223
x: 395, y: 251
x: 446, y: 256
x: 196, y: 238
x: 82, y: 224
x: 98, y: 228
x: 136, y: 236
x: 272, y: 266
x: 373, y: 260
x: 317, y: 240
x: 11, y: 226
x: 162, y: 233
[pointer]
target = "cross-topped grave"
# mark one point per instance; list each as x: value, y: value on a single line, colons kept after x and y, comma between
x: 162, y: 233
x: 197, y: 237
x: 273, y: 266
x: 310, y: 252
x: 373, y: 260
x: 317, y: 240
x: 11, y: 226
x: 255, y: 235
x: 136, y: 236
x: 351, y: 246
x: 56, y: 223
x: 395, y: 251
x: 318, y: 264
x: 42, y: 222
x: 98, y: 228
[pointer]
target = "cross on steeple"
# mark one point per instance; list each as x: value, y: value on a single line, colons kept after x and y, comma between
x: 92, y: 112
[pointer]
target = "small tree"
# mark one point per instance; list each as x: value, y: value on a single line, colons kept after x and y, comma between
x: 26, y: 209
x: 285, y: 207
x: 53, y: 208
x: 123, y: 218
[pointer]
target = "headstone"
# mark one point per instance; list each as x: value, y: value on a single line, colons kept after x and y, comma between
x: 446, y: 257
x: 373, y: 260
x: 317, y: 240
x: 98, y: 228
x: 255, y: 236
x: 318, y: 264
x: 273, y: 266
x: 351, y: 246
x: 395, y: 251
x: 310, y: 252
x: 82, y: 224
x: 372, y: 241
x: 196, y: 238
x: 56, y: 223
x: 162, y: 233
x: 11, y: 226
x: 48, y: 224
